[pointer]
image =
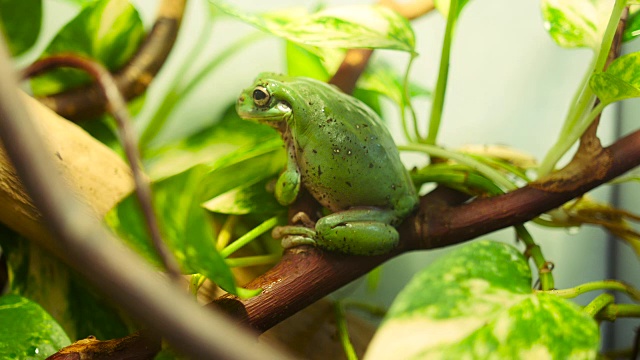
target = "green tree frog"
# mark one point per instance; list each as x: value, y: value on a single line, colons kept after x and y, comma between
x: 342, y: 153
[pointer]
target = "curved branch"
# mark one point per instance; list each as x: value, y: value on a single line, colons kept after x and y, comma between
x: 134, y: 78
x: 305, y: 274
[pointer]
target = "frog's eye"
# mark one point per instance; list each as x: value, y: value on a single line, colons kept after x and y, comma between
x: 260, y: 96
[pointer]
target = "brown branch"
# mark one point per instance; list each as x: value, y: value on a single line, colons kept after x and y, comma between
x: 305, y: 274
x: 140, y: 345
x: 134, y: 78
x: 118, y: 108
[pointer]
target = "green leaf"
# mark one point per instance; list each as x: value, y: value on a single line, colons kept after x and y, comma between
x: 184, y: 223
x: 207, y: 145
x: 246, y: 199
x: 184, y: 226
x: 577, y: 23
x: 301, y: 62
x: 632, y: 28
x: 350, y: 26
x: 443, y: 6
x: 620, y: 81
x: 477, y: 302
x: 108, y: 31
x: 20, y: 21
x: 41, y: 277
x: 27, y: 331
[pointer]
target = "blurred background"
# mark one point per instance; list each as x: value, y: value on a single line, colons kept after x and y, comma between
x: 509, y: 84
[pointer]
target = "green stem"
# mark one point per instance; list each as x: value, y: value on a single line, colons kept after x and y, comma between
x: 568, y: 138
x: 250, y: 236
x: 609, y: 34
x: 195, y: 283
x: 598, y: 285
x: 443, y: 74
x: 612, y: 312
x: 407, y: 102
x: 533, y: 249
x: 341, y: 323
x: 600, y: 302
x: 487, y: 171
x: 226, y: 232
x: 253, y: 260
x: 579, y: 116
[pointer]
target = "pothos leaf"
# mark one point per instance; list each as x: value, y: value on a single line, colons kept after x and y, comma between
x: 27, y: 331
x: 477, y: 302
x: 21, y: 22
x: 620, y: 81
x: 108, y: 31
x: 350, y: 26
x: 577, y: 23
x: 632, y: 28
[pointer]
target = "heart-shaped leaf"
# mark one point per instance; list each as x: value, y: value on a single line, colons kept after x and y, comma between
x: 620, y: 81
x: 577, y: 23
x: 27, y: 331
x: 477, y: 302
x: 108, y: 31
x: 348, y: 26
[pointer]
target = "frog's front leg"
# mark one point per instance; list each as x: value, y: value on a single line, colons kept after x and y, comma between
x: 288, y: 184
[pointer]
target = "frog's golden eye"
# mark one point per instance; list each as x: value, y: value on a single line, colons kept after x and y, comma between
x: 261, y: 96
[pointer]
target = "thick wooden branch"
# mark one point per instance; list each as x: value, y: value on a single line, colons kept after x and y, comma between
x: 133, y: 79
x: 306, y: 274
x: 97, y: 174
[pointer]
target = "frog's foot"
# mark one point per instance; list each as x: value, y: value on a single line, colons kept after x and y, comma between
x: 303, y: 218
x: 294, y: 235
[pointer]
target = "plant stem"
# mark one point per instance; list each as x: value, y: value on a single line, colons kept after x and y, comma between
x: 406, y: 101
x: 598, y: 285
x: 443, y: 74
x: 533, y: 249
x: 612, y: 312
x: 225, y: 234
x: 253, y: 260
x: 600, y: 302
x: 343, y: 331
x: 476, y: 165
x: 577, y: 119
x: 250, y: 236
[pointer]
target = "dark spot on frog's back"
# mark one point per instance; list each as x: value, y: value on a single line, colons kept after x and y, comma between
x: 370, y: 165
x: 329, y: 120
x: 348, y: 183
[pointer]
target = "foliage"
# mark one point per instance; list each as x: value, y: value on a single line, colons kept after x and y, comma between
x: 215, y: 184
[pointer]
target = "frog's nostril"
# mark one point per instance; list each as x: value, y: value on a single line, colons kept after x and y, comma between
x: 241, y: 98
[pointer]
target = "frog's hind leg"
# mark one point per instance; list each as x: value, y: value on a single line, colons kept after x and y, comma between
x: 358, y: 231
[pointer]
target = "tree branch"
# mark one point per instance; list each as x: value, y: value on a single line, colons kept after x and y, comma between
x: 305, y: 274
x: 133, y: 79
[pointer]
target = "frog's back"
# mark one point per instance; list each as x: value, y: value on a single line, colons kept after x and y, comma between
x: 346, y: 155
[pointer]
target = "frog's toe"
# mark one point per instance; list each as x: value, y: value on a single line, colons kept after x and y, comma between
x: 280, y: 232
x: 290, y: 241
